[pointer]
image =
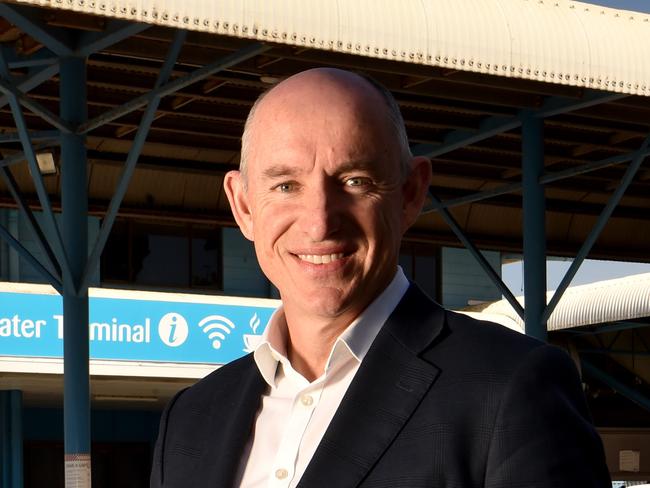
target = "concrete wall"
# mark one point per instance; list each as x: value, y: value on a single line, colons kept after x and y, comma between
x: 627, y: 452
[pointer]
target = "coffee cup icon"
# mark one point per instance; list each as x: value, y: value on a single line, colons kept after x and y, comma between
x: 251, y: 341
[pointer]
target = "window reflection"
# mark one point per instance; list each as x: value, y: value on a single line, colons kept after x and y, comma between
x: 148, y: 254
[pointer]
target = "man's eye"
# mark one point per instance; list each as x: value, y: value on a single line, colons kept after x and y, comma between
x: 285, y: 187
x: 357, y: 181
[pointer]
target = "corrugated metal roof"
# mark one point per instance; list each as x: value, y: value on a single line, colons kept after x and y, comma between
x: 557, y: 41
x: 596, y: 303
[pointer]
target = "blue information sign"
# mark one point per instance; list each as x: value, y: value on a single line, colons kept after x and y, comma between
x: 31, y: 325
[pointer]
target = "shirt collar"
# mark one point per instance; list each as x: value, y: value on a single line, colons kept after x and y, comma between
x: 354, y: 342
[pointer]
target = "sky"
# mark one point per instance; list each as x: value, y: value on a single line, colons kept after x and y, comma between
x: 591, y: 270
x: 638, y: 5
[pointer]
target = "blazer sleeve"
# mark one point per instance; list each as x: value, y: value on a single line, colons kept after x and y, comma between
x: 543, y: 436
x: 157, y: 465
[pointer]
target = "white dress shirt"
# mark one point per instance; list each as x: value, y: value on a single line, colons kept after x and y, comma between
x: 294, y: 413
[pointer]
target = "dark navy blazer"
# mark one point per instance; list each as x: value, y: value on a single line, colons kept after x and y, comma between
x: 440, y: 400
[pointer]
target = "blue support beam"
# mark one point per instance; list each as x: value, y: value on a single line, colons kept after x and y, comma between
x: 52, y: 229
x: 11, y: 438
x: 20, y: 157
x: 74, y: 214
x: 32, y: 225
x: 31, y: 260
x: 28, y: 20
x: 473, y: 197
x: 615, y: 384
x: 498, y: 124
x: 50, y: 136
x: 115, y: 31
x: 35, y: 107
x: 173, y: 86
x: 132, y: 158
x: 42, y: 57
x: 598, y: 227
x: 488, y: 127
x: 27, y: 256
x: 33, y: 80
x: 546, y: 178
x: 534, y: 213
x: 560, y: 105
x: 594, y: 166
x: 487, y: 267
x: 613, y: 327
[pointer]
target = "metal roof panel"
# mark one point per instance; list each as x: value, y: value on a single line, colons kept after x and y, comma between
x: 592, y: 304
x: 558, y: 41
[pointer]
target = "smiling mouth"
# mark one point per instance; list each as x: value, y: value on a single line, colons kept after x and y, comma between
x: 320, y: 258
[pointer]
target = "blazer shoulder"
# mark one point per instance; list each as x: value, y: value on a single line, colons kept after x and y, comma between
x: 224, y: 378
x: 485, y: 346
x: 424, y: 325
x: 464, y: 325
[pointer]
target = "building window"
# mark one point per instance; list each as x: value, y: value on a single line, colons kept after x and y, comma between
x: 152, y: 255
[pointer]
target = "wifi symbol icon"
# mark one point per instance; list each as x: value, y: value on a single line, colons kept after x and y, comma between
x: 216, y: 327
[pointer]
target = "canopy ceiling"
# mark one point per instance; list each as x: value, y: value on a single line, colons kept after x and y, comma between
x: 554, y: 41
x: 437, y: 57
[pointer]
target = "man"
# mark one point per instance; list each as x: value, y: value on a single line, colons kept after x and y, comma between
x: 361, y: 380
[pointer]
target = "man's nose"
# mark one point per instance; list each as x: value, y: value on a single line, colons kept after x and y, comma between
x: 320, y: 216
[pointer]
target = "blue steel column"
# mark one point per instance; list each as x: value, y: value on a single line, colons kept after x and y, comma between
x: 11, y: 430
x: 534, y: 207
x: 74, y: 198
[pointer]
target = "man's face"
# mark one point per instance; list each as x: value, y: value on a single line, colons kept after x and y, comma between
x: 324, y: 199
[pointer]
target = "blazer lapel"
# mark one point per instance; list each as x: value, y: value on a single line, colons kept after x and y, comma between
x: 389, y: 385
x: 235, y: 405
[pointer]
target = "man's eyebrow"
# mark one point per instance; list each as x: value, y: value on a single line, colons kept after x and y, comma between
x: 357, y: 165
x: 279, y: 171
x: 283, y: 170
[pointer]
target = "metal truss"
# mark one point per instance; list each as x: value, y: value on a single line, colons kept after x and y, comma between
x: 66, y: 265
x: 620, y: 387
x: 534, y: 234
x: 492, y: 126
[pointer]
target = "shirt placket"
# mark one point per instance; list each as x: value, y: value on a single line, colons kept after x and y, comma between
x: 303, y: 406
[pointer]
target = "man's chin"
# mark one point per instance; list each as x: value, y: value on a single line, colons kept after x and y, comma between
x: 325, y: 303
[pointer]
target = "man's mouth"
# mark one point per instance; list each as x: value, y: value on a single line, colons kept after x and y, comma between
x: 321, y: 258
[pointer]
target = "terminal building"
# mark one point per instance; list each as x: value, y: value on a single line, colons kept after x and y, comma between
x: 118, y: 121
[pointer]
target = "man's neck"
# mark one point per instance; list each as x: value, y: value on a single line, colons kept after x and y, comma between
x: 309, y: 347
x: 310, y: 337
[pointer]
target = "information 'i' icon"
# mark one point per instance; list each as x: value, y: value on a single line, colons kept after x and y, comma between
x: 173, y: 329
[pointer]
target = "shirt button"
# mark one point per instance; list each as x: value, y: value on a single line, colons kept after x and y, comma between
x: 306, y: 400
x: 281, y: 473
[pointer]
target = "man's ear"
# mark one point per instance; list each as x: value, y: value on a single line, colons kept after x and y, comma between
x: 414, y: 190
x: 239, y: 204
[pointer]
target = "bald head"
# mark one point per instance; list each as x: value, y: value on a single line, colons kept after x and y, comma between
x: 366, y: 97
x: 326, y: 199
